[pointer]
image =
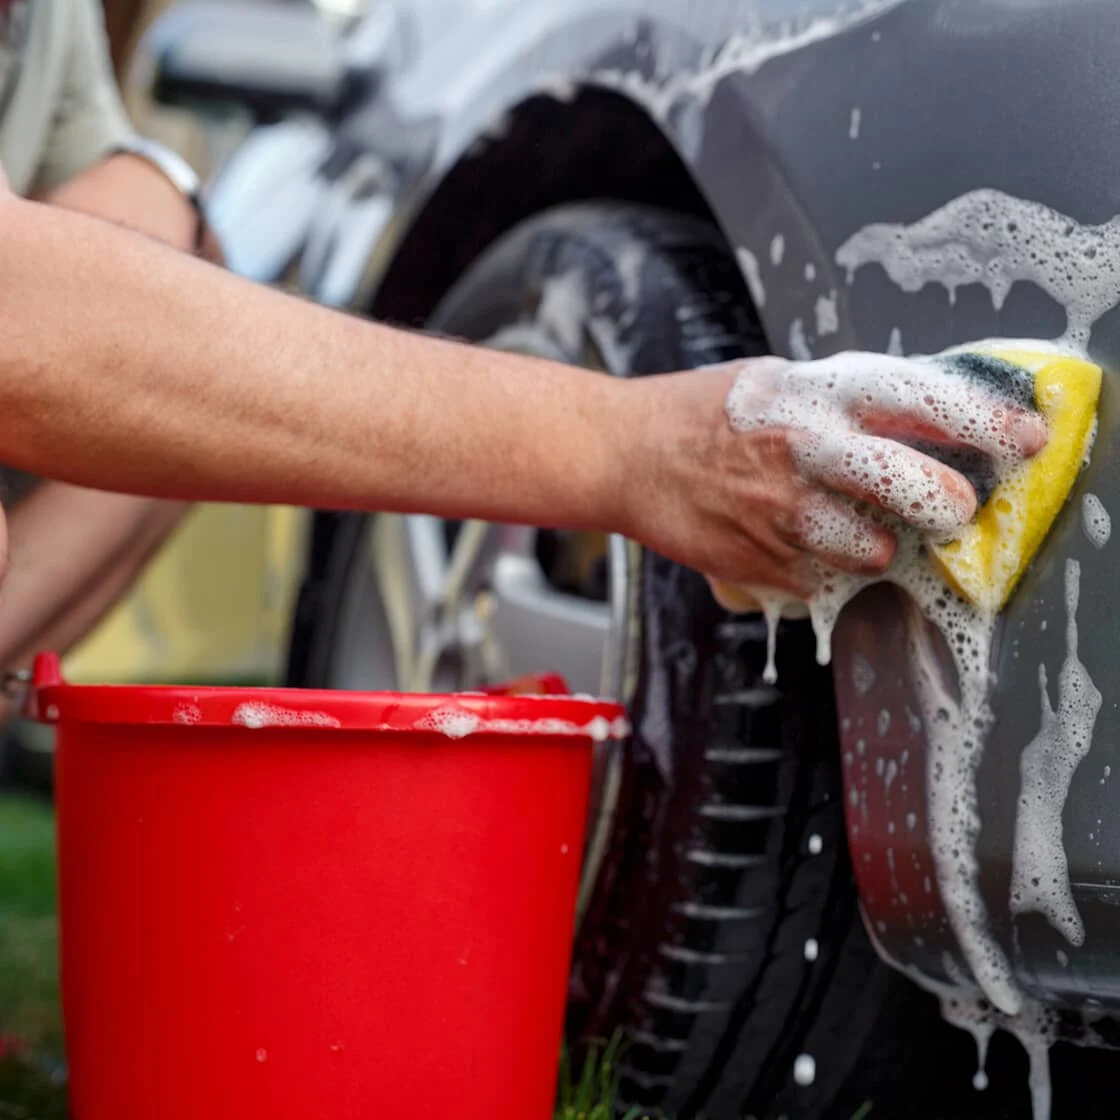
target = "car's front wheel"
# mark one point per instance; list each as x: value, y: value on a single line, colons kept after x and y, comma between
x: 719, y: 922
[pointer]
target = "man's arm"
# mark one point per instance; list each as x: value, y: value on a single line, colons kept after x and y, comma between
x: 128, y: 366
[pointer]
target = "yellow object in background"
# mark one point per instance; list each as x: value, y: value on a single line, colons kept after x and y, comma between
x: 213, y: 607
x: 989, y: 558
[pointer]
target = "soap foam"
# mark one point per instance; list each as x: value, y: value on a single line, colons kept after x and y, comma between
x: 991, y: 238
x: 819, y: 399
x: 956, y: 714
x: 748, y: 263
x: 828, y: 318
x: 1039, y: 869
x: 1035, y: 1026
x: 257, y: 715
x: 1095, y: 521
x: 798, y: 344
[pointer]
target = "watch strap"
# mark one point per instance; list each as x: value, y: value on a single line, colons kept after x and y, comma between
x: 175, y: 169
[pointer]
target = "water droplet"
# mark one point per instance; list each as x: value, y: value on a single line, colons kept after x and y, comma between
x: 805, y: 1070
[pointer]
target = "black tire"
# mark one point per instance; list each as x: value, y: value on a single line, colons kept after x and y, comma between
x: 696, y: 932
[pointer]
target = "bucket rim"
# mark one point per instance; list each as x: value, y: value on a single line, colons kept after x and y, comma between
x: 443, y: 715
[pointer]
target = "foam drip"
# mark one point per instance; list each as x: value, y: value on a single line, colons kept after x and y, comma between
x: 1035, y: 1026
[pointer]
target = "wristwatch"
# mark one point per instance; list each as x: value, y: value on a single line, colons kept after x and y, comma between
x: 174, y: 168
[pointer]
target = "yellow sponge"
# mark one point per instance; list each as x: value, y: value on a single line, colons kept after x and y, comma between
x: 989, y: 558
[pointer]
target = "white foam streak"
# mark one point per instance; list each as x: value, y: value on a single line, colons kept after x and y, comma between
x: 991, y: 238
x: 827, y: 315
x: 1039, y: 870
x: 748, y: 263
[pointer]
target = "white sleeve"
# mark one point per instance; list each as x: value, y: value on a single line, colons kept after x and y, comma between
x: 90, y: 119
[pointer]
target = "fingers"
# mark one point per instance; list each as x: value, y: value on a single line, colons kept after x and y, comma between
x: 830, y: 533
x: 911, y: 400
x: 841, y: 537
x: 978, y: 421
x: 920, y: 490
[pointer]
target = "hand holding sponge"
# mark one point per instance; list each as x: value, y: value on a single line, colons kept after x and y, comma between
x: 1017, y: 503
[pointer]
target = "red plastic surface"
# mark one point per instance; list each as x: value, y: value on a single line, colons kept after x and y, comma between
x: 306, y: 921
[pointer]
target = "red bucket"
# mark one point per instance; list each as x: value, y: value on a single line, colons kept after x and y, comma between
x: 285, y: 905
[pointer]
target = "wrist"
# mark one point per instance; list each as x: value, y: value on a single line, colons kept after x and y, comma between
x: 677, y: 423
x: 597, y: 482
x: 644, y: 438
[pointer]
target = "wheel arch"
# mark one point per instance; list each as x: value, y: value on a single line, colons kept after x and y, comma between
x: 550, y: 149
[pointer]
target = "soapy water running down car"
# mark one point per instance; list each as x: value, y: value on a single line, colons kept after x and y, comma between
x: 771, y: 890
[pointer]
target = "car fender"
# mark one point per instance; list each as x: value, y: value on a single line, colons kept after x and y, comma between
x: 693, y: 83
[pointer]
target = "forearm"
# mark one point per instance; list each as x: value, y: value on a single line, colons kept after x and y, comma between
x: 130, y: 192
x: 170, y: 378
x: 74, y: 552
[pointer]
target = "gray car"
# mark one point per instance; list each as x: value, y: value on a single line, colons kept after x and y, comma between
x: 646, y: 185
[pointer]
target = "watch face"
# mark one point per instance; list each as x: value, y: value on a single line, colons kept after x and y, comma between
x: 15, y: 20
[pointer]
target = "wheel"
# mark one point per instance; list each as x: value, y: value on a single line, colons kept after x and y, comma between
x: 719, y: 922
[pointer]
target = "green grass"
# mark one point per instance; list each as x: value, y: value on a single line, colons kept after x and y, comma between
x: 29, y: 1010
x: 29, y: 1093
x: 28, y: 927
x: 590, y: 1094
